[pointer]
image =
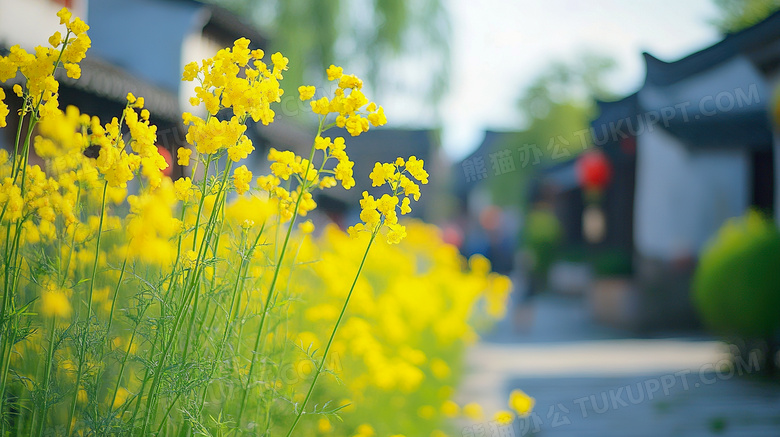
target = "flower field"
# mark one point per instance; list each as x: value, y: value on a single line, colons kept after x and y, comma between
x: 134, y: 304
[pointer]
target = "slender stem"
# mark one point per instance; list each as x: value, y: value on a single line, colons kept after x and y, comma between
x: 167, y: 413
x: 234, y: 304
x: 202, y: 200
x: 83, y: 346
x: 116, y: 294
x: 190, y: 289
x: 124, y: 362
x: 46, y: 377
x: 332, y: 336
x: 272, y: 287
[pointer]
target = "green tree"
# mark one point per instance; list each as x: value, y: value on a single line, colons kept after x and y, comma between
x: 736, y: 15
x: 359, y: 35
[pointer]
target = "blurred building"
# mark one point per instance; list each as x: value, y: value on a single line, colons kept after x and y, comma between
x: 692, y: 148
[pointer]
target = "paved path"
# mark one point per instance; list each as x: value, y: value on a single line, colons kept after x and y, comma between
x: 592, y: 381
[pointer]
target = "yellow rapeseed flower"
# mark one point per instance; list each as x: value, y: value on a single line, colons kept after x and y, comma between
x: 3, y: 109
x: 473, y: 411
x: 334, y: 72
x: 241, y: 178
x: 324, y: 426
x: 306, y: 92
x: 183, y: 156
x: 306, y: 227
x: 121, y: 397
x: 183, y: 188
x: 521, y: 403
x: 450, y: 409
x: 64, y: 14
x: 504, y: 417
x: 54, y: 303
x: 366, y: 430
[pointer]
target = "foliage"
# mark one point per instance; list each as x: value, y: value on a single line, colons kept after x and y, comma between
x: 736, y: 15
x: 195, y: 307
x: 612, y: 262
x: 542, y: 238
x: 735, y: 288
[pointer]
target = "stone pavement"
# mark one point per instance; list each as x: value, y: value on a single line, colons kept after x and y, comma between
x: 589, y: 380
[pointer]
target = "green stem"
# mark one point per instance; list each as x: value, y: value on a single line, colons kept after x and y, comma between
x: 8, y: 335
x: 124, y: 362
x: 83, y: 346
x: 266, y: 308
x: 234, y: 304
x: 202, y: 200
x: 116, y: 293
x: 190, y: 289
x: 167, y: 413
x: 46, y: 377
x: 332, y: 335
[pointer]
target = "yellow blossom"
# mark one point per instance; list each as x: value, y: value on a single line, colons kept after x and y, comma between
x: 405, y: 208
x: 378, y: 175
x: 183, y: 187
x: 334, y: 72
x: 473, y: 411
x: 55, y: 303
x: 183, y: 156
x: 324, y: 426
x: 450, y: 409
x: 64, y: 15
x: 306, y: 227
x: 306, y: 92
x: 521, y: 403
x: 3, y: 109
x: 377, y: 118
x: 241, y: 178
x: 279, y: 61
x: 366, y: 430
x: 56, y: 39
x: 396, y: 233
x: 322, y: 143
x: 321, y: 106
x: 121, y: 397
x: 504, y: 417
x: 440, y: 368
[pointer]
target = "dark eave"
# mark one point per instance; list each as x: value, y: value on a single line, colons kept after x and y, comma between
x: 753, y: 39
x: 228, y: 27
x: 113, y: 83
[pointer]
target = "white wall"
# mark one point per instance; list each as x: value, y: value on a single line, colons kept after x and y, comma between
x: 684, y: 196
x: 30, y: 23
x: 196, y: 47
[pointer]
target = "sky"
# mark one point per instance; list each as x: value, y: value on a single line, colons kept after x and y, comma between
x: 499, y: 46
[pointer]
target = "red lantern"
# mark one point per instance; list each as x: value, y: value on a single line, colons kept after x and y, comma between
x: 593, y: 170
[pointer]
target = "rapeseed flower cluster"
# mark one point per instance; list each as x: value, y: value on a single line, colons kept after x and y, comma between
x: 164, y: 307
x: 382, y: 213
x: 38, y: 68
x: 352, y: 108
x: 237, y: 79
